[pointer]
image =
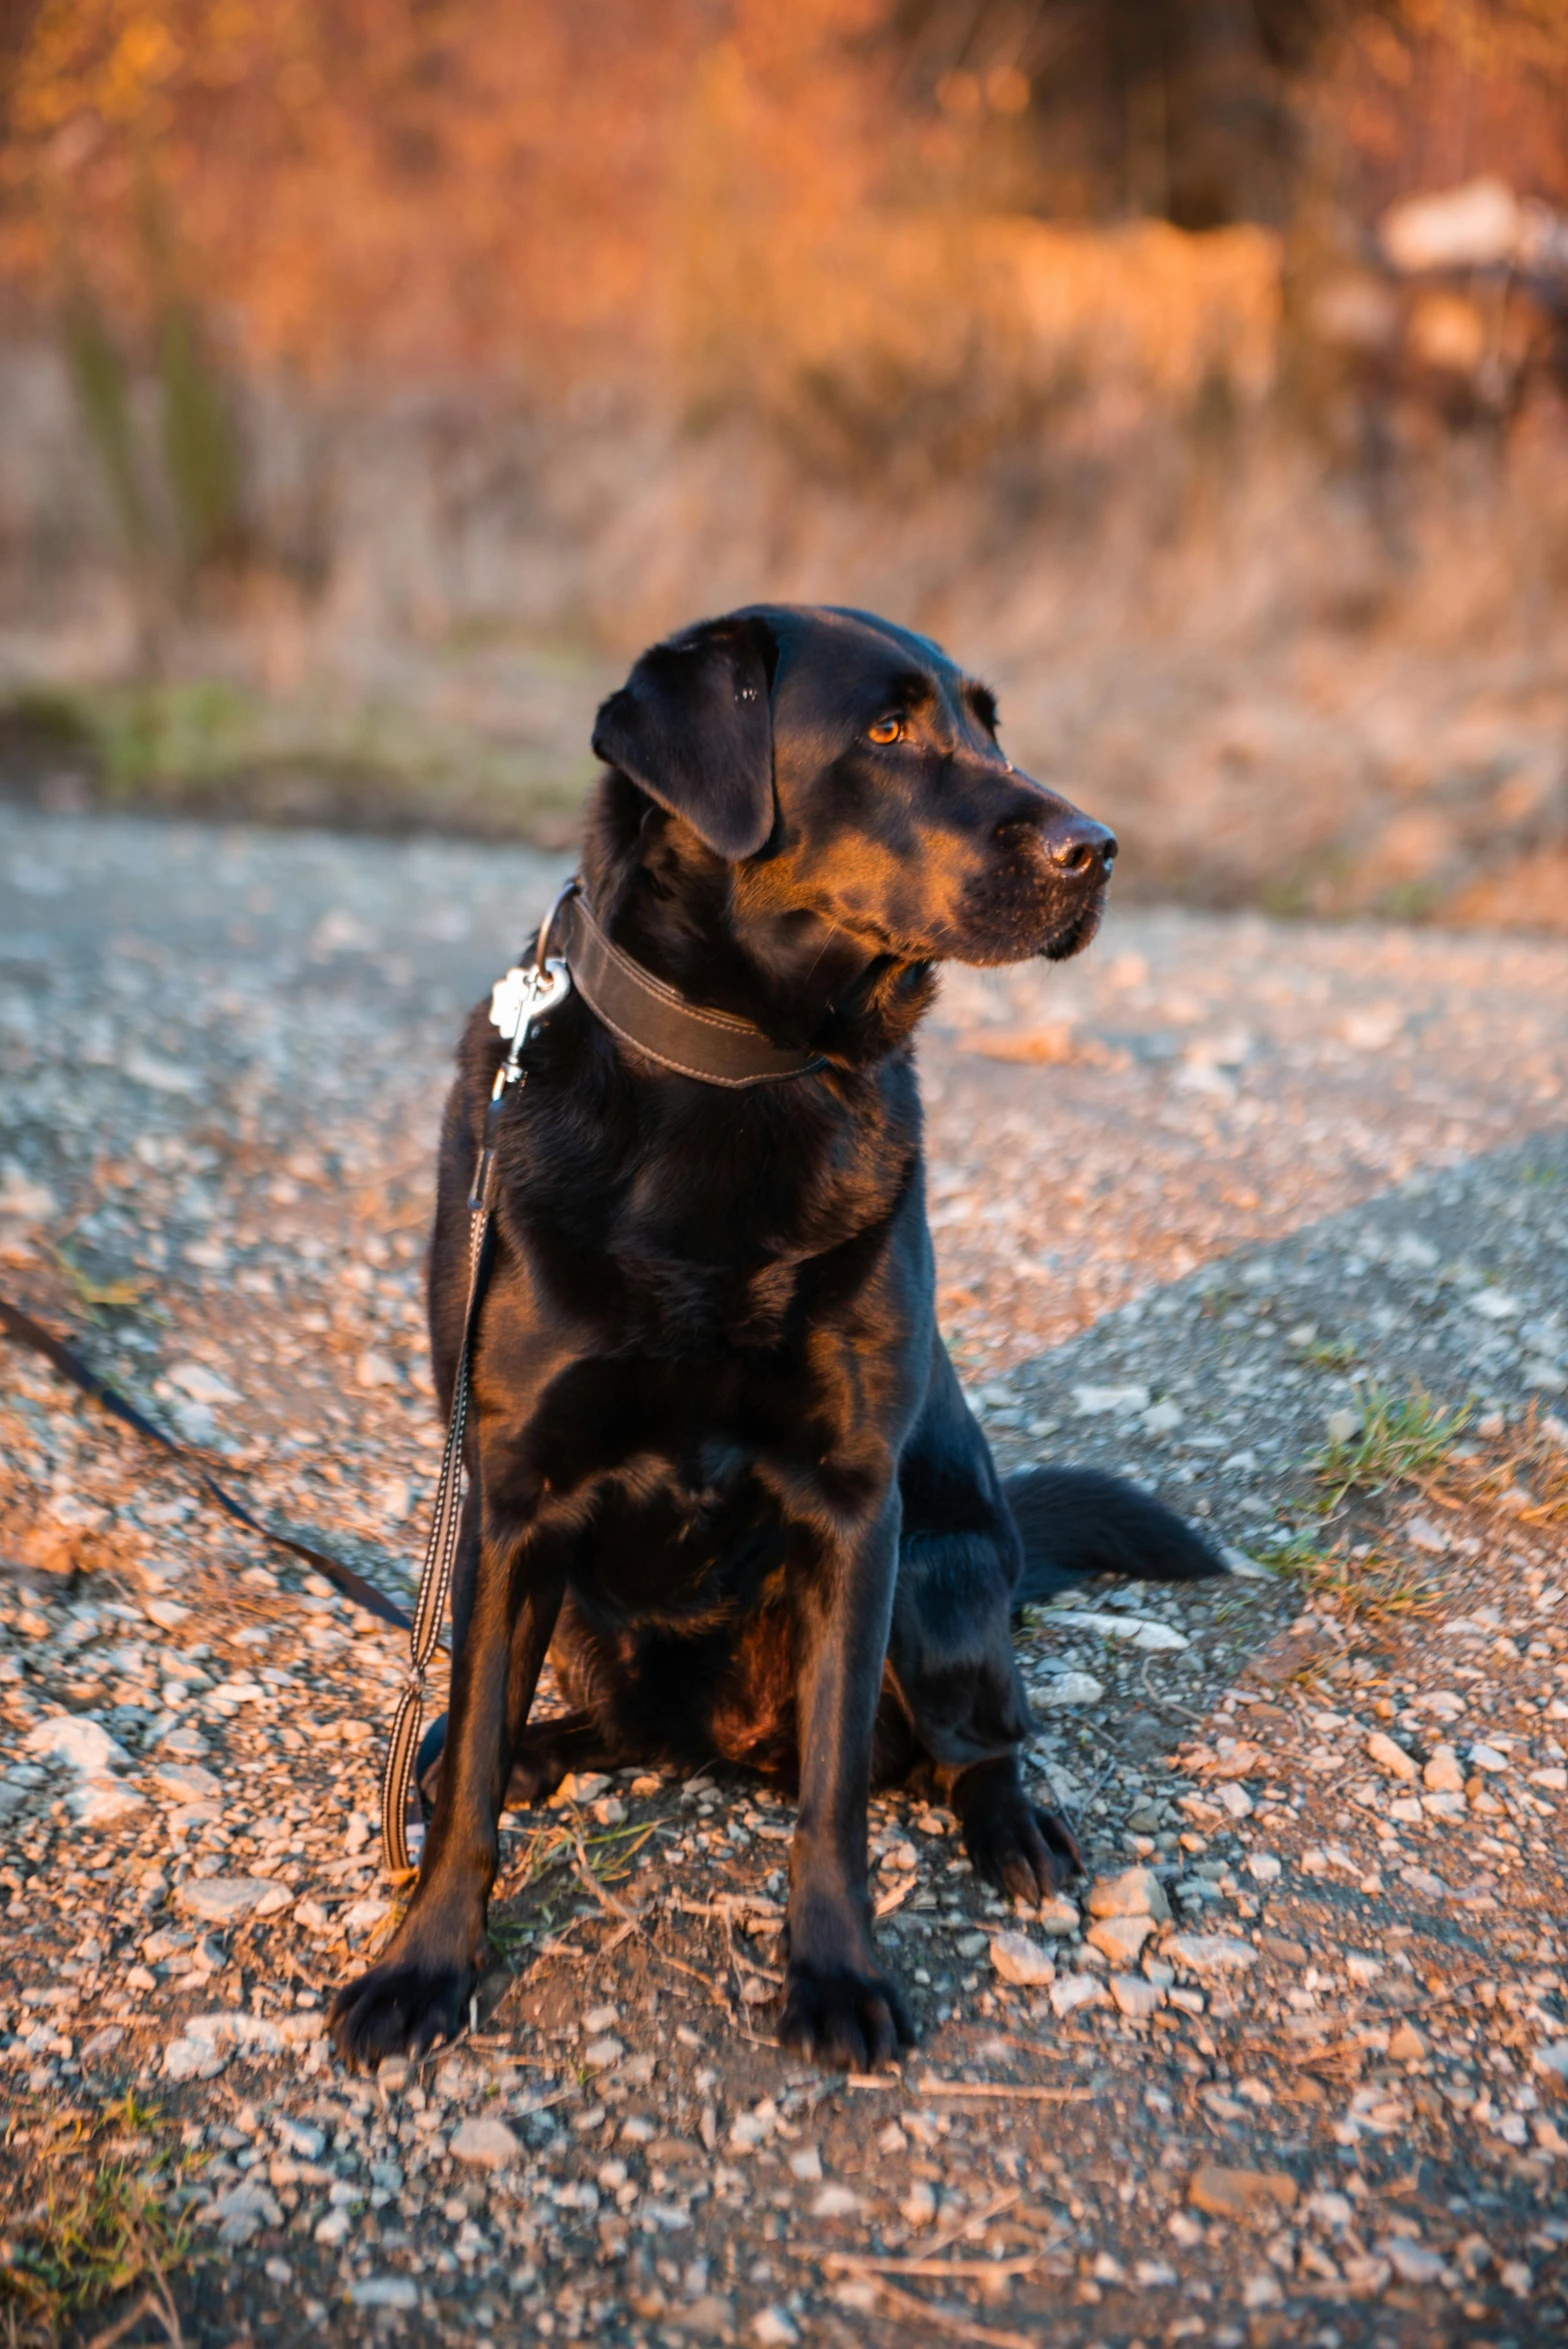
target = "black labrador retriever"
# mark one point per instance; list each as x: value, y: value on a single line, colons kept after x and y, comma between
x: 720, y: 1464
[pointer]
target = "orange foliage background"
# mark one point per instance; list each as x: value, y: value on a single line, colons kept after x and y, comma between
x: 384, y: 188
x: 547, y: 191
x: 363, y: 349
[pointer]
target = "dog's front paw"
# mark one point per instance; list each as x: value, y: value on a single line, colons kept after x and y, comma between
x: 1024, y: 1851
x: 840, y: 2017
x: 401, y: 2007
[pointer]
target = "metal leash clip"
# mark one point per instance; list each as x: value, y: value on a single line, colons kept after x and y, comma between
x: 516, y: 1001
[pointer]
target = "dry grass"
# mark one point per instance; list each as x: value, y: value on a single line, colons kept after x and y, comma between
x: 1360, y: 1582
x: 1412, y: 1440
x: 97, y: 2231
x: 1525, y: 1479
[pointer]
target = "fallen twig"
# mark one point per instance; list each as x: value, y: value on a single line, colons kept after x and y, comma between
x: 928, y: 2264
x: 963, y: 2328
x: 606, y: 1899
x: 147, y: 2305
x: 1169, y: 1703
x: 954, y: 2230
x: 1026, y: 2095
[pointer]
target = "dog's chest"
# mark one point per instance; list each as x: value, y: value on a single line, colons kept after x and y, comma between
x: 738, y: 1240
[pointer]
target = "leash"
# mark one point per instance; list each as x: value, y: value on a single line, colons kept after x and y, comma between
x: 24, y: 1331
x: 517, y: 1001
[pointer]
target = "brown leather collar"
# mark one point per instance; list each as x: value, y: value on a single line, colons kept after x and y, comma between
x: 713, y: 1046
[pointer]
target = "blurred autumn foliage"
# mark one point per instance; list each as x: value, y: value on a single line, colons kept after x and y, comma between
x: 330, y: 328
x: 416, y: 190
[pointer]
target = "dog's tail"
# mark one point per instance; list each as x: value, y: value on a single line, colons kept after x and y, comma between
x: 1078, y: 1521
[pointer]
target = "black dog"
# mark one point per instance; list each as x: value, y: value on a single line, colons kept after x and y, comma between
x: 718, y: 1454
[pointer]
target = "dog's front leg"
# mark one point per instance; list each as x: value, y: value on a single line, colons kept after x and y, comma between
x: 838, y: 2006
x: 420, y: 1989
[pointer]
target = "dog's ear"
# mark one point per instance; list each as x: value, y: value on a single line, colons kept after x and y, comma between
x: 693, y: 727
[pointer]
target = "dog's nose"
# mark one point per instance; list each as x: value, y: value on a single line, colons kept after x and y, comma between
x: 1080, y: 848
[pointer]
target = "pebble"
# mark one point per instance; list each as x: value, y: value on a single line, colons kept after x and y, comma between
x: 1070, y: 1991
x: 1021, y: 1961
x: 1135, y: 1996
x: 1135, y: 1631
x: 1443, y: 1772
x: 918, y: 2207
x: 1413, y: 2263
x: 1426, y: 1536
x: 1120, y: 1938
x: 228, y: 1900
x: 186, y: 1781
x: 1067, y: 1688
x: 192, y: 2059
x: 1388, y: 1756
x: 81, y: 1744
x: 399, y: 2292
x: 98, y: 1802
x: 484, y: 2144
x: 579, y: 1786
x: 1091, y: 1401
x: 1209, y: 1953
x: 1136, y: 1892
x: 200, y: 1384
x: 1058, y: 1915
x: 243, y: 2211
x: 363, y: 1916
x: 772, y: 2329
x: 1259, y: 2195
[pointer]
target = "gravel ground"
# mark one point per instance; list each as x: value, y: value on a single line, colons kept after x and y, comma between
x: 1290, y: 2067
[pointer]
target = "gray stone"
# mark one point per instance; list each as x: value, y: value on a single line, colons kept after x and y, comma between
x: 484, y: 2144
x: 224, y: 1900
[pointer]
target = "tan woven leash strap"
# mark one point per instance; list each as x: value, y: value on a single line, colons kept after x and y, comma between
x: 523, y: 996
x: 435, y: 1578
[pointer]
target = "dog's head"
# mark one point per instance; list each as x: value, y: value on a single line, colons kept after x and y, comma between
x: 849, y: 771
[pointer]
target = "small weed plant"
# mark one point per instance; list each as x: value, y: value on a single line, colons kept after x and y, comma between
x: 1401, y: 1439
x: 88, y: 2240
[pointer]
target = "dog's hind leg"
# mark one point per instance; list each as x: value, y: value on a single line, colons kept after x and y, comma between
x: 542, y: 1755
x: 950, y: 1650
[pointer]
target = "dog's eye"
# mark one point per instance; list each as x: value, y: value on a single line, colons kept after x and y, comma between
x: 886, y: 730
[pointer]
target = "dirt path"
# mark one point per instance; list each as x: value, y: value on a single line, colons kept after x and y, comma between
x: 1220, y: 1189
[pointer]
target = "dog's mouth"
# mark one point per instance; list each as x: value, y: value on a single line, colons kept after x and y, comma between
x: 1021, y: 916
x: 1077, y: 930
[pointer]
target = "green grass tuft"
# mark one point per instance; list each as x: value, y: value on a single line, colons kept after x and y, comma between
x: 90, y: 2239
x: 1399, y: 1438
